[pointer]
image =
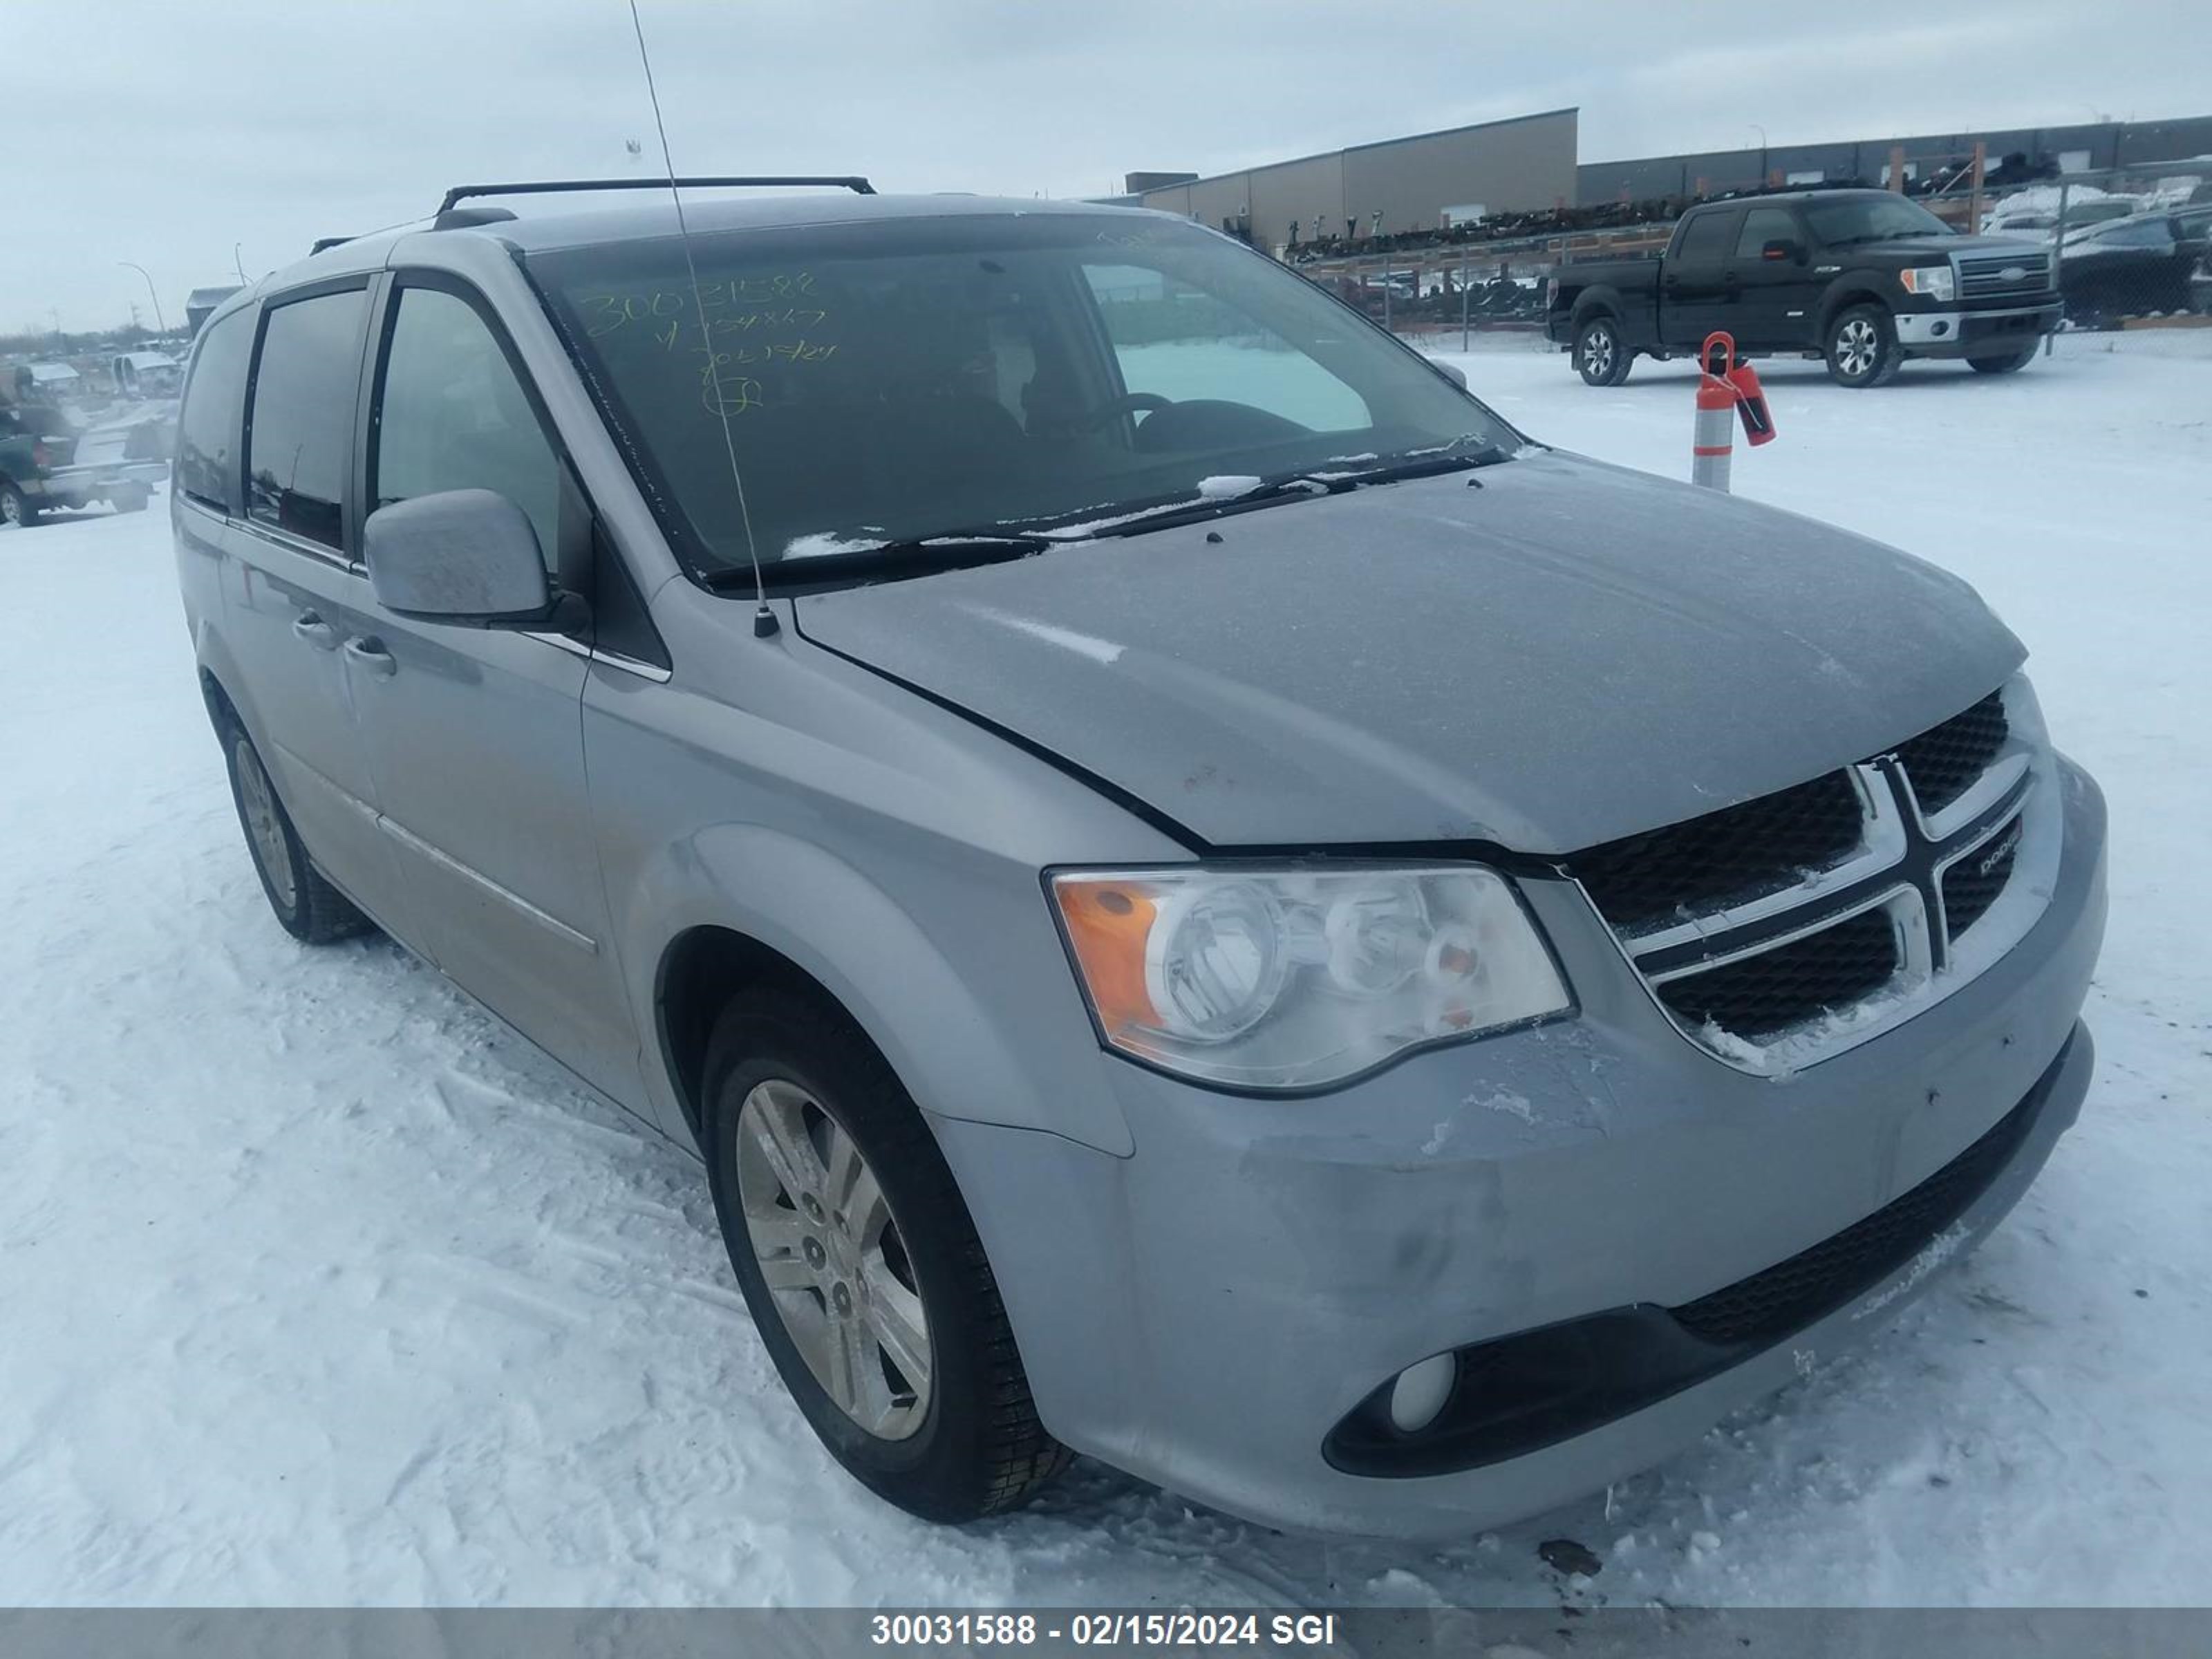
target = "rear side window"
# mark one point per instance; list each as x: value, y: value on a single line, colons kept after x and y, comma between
x: 1703, y: 237
x: 299, y: 443
x: 207, y: 431
x: 451, y: 415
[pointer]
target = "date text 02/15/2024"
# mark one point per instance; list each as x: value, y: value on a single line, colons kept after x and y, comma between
x: 1178, y: 1629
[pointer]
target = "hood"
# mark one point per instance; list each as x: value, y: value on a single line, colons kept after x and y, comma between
x: 1941, y: 248
x: 1571, y: 653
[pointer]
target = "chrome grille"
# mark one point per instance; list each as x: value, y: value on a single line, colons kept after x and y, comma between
x: 1754, y: 926
x: 1999, y: 275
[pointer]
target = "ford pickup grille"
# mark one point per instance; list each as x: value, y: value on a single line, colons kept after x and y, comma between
x: 2001, y: 276
x: 1765, y: 930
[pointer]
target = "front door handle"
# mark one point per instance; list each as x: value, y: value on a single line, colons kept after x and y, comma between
x: 370, y: 654
x: 316, y: 632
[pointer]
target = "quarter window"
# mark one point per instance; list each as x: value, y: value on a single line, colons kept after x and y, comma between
x: 300, y: 430
x: 207, y: 431
x: 451, y: 415
x: 1703, y: 237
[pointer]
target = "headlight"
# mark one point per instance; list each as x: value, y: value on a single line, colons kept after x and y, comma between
x: 1929, y: 282
x: 1294, y: 978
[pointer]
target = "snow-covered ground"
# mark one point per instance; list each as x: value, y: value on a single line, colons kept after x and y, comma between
x: 316, y: 1286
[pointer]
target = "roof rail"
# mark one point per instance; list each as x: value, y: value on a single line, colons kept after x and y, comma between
x: 561, y: 186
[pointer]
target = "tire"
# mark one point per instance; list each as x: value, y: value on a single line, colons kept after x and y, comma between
x: 131, y: 500
x: 958, y: 1442
x: 1862, y: 348
x: 2011, y: 364
x: 1601, y: 357
x: 308, y: 907
x: 17, y: 508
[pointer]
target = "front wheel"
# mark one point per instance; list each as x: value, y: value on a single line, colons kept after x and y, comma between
x: 1601, y: 357
x: 1861, y: 349
x: 863, y: 1272
x: 17, y: 508
x: 2006, y: 365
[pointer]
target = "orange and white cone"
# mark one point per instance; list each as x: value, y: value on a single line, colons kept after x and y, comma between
x: 1712, y: 446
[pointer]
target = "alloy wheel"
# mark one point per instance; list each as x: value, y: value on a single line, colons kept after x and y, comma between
x: 833, y: 1259
x: 1597, y: 351
x: 1858, y: 345
x: 258, y: 801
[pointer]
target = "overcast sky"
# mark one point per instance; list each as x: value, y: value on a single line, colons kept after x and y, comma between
x: 164, y: 131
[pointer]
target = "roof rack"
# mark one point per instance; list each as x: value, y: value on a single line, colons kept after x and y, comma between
x: 852, y: 182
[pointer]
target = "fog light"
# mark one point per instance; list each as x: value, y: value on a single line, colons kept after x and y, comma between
x: 1420, y: 1391
x: 1941, y: 329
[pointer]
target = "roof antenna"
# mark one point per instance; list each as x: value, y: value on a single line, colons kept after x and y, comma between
x: 764, y: 624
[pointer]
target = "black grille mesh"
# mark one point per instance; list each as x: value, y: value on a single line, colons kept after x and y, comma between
x: 1643, y: 882
x: 1942, y: 762
x: 1765, y: 995
x: 1969, y: 890
x: 1815, y: 1283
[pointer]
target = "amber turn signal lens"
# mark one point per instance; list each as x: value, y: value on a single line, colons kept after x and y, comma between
x: 1108, y: 925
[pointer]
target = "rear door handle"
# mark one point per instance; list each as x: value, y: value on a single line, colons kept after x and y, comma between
x: 316, y: 632
x: 371, y: 655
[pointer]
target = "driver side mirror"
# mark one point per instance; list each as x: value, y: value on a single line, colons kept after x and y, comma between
x: 1451, y: 372
x: 1780, y: 250
x: 466, y: 557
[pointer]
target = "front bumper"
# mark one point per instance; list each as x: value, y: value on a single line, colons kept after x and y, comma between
x: 1206, y: 1313
x: 1976, y: 333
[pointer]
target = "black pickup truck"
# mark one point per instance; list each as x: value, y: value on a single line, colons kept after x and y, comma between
x: 1863, y: 278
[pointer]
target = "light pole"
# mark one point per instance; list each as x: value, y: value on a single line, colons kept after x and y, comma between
x: 150, y: 292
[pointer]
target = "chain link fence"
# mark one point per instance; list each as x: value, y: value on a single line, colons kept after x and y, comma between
x: 2133, y: 249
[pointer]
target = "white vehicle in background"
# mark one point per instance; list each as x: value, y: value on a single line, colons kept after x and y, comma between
x: 2034, y: 214
x: 146, y: 374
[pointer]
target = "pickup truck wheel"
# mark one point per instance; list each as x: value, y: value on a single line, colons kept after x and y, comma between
x: 1601, y: 357
x: 17, y: 508
x: 308, y: 907
x: 2018, y: 360
x: 1863, y: 349
x: 860, y: 1265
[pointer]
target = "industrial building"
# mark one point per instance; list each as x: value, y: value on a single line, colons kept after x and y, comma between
x: 2081, y: 148
x: 1433, y: 180
x: 1402, y: 184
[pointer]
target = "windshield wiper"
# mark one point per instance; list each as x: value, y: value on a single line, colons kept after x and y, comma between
x: 946, y: 550
x: 1453, y: 457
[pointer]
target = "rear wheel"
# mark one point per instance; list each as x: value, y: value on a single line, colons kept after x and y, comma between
x: 308, y: 907
x: 863, y: 1272
x: 17, y: 508
x: 2018, y: 360
x: 1601, y: 357
x: 1862, y: 350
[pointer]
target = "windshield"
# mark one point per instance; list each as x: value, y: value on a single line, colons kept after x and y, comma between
x: 1847, y: 219
x: 897, y: 380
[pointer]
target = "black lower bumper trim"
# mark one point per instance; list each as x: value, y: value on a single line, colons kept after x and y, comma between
x: 1520, y: 1393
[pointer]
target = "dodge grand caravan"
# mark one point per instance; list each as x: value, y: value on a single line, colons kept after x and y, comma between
x: 1205, y: 900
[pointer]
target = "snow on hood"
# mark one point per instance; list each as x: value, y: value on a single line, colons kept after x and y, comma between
x: 1571, y: 653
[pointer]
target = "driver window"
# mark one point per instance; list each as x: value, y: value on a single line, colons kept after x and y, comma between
x: 451, y: 415
x: 1176, y: 341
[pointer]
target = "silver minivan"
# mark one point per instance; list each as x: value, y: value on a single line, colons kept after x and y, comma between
x: 1205, y: 900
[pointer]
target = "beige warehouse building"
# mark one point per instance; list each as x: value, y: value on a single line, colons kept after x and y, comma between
x: 1421, y: 183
